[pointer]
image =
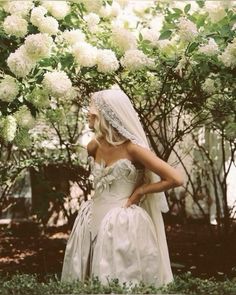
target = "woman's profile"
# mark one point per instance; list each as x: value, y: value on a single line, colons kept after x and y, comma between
x: 120, y: 233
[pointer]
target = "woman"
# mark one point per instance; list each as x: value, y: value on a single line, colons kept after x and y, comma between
x: 120, y: 232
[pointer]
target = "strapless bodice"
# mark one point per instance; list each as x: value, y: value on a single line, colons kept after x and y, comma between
x: 113, y: 185
x: 117, y: 180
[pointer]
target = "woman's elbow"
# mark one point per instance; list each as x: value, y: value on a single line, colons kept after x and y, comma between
x: 178, y: 181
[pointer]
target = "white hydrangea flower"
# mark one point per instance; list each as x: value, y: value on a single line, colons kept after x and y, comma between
x: 211, y: 48
x: 228, y: 57
x: 58, y: 9
x: 37, y: 15
x: 150, y: 35
x: 15, y: 25
x: 209, y: 86
x: 9, y: 89
x: 48, y: 25
x: 216, y: 13
x: 105, y: 11
x: 9, y: 127
x: 73, y: 36
x: 20, y: 63
x: 125, y: 21
x: 135, y: 59
x: 20, y: 8
x: 24, y: 118
x: 156, y: 23
x: 115, y: 9
x: 187, y: 30
x: 85, y: 54
x: 57, y: 83
x: 92, y: 20
x: 124, y: 39
x: 106, y: 61
x: 38, y: 46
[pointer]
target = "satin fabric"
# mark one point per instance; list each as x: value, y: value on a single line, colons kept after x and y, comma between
x: 109, y: 241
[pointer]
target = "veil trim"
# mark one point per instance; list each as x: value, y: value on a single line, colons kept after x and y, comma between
x: 111, y: 117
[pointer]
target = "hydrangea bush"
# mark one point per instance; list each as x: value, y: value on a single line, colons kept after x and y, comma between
x: 58, y: 46
x: 166, y: 55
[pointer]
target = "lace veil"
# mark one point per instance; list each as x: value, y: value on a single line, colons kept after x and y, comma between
x: 117, y: 109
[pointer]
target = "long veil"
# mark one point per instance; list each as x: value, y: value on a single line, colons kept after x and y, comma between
x: 117, y: 109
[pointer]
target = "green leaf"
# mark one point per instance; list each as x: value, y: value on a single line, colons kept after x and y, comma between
x: 193, y: 46
x: 178, y: 11
x: 200, y: 3
x: 187, y: 8
x: 165, y: 35
x: 140, y: 37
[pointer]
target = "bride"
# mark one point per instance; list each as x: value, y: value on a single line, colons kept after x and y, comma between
x: 120, y: 233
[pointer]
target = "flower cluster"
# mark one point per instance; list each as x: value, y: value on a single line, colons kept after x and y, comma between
x: 228, y: 57
x: 187, y: 30
x: 73, y: 36
x: 209, y: 49
x: 20, y: 63
x: 106, y: 61
x: 20, y: 8
x: 45, y: 24
x: 9, y: 89
x: 85, y: 54
x: 151, y: 35
x: 209, y: 86
x: 124, y: 39
x: 8, y: 128
x: 216, y: 13
x: 24, y: 118
x: 58, y: 9
x: 57, y: 83
x: 15, y: 25
x: 92, y: 20
x: 38, y: 46
x: 135, y: 59
x: 37, y: 15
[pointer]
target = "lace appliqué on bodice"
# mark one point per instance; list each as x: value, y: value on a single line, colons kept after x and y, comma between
x: 104, y: 176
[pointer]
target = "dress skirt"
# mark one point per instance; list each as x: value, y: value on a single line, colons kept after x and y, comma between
x: 124, y: 248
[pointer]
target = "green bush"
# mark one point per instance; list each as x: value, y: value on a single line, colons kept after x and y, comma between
x: 25, y: 284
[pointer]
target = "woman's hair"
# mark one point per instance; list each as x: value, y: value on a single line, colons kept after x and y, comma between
x: 103, y: 129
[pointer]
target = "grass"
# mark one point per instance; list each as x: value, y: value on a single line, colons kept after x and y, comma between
x: 25, y: 284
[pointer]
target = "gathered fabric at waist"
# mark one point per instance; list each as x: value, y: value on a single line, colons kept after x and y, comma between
x: 100, y: 207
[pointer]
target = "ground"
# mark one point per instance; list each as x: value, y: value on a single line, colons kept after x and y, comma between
x: 192, y: 247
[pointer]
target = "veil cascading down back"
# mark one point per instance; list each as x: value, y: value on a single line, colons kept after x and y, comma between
x: 117, y: 109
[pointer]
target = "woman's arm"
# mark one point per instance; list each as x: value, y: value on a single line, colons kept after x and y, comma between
x: 170, y: 177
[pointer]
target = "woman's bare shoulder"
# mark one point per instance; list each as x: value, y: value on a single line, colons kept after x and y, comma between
x: 92, y: 147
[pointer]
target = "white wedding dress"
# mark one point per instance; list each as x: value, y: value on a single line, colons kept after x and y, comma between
x: 110, y: 241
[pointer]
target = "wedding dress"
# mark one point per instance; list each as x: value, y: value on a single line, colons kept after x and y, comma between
x: 110, y: 241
